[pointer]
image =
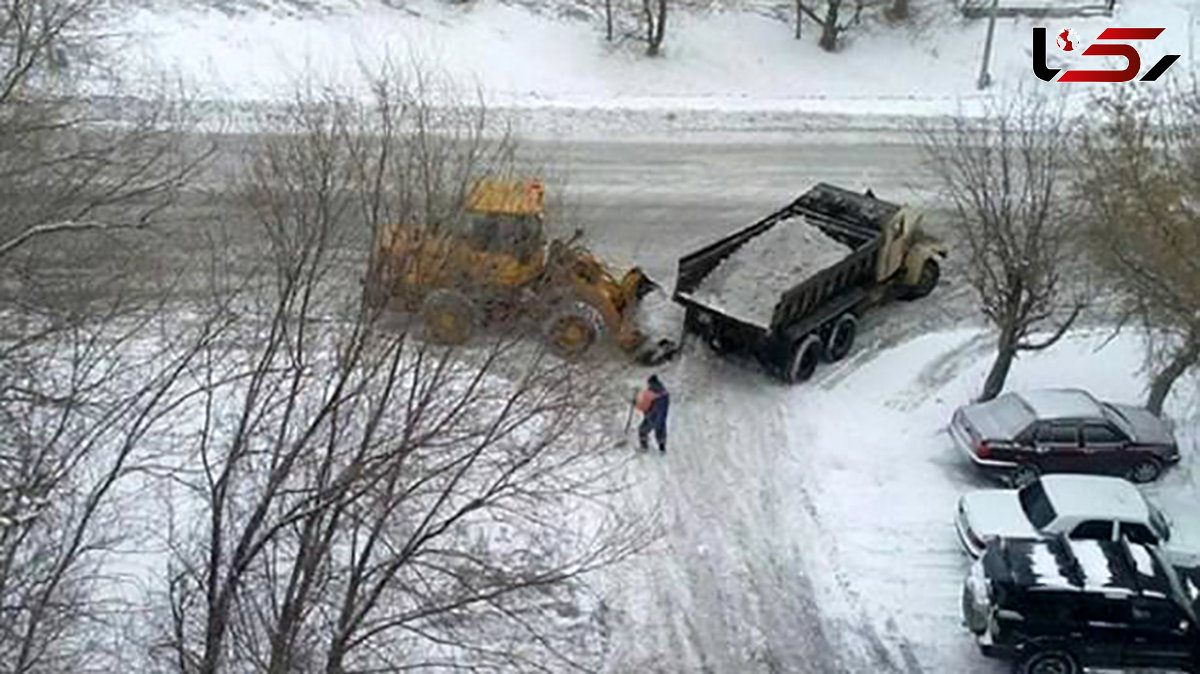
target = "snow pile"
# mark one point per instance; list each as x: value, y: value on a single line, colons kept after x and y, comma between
x: 748, y: 284
x: 659, y: 317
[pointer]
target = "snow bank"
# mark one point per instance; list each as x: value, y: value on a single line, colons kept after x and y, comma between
x: 886, y: 490
x: 748, y: 284
x: 717, y: 62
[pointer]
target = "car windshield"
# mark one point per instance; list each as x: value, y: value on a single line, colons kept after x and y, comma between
x: 1158, y: 522
x: 1114, y: 415
x: 1036, y: 504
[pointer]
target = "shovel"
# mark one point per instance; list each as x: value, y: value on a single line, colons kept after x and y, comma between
x: 628, y: 420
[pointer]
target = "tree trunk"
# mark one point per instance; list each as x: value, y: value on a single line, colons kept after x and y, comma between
x: 608, y: 20
x: 829, y: 28
x: 1160, y: 385
x: 799, y: 17
x: 1006, y: 351
x: 899, y: 10
x: 657, y: 28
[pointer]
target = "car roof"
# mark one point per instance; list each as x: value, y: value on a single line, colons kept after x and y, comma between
x: 1095, y: 497
x: 1087, y: 565
x: 1062, y: 403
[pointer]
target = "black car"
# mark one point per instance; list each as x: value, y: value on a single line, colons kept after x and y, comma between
x: 1055, y: 606
x: 1021, y: 435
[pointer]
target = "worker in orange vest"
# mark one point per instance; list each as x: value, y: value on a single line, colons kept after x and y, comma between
x: 653, y: 402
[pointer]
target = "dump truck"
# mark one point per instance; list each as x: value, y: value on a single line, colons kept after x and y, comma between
x: 494, y: 267
x: 870, y: 251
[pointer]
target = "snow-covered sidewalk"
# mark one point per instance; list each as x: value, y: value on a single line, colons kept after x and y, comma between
x: 715, y: 63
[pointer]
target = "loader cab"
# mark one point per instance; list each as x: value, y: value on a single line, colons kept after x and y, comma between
x: 518, y: 235
x: 507, y: 217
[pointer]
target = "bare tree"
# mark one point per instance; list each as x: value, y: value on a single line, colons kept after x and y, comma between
x: 83, y: 395
x: 61, y: 167
x: 365, y: 501
x: 1005, y: 174
x: 655, y: 22
x: 833, y: 27
x: 86, y: 375
x: 1140, y: 179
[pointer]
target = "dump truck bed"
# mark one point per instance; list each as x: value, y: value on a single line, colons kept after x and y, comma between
x: 850, y: 218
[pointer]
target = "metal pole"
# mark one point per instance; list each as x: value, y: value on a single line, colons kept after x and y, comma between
x: 1191, y: 30
x: 985, y: 80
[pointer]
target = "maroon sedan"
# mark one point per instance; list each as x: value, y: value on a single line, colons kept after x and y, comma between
x: 1021, y: 435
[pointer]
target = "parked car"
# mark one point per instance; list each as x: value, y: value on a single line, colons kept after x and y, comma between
x: 1019, y: 436
x: 1056, y: 606
x: 1080, y: 507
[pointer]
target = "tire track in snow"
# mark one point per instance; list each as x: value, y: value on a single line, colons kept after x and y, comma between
x: 732, y: 570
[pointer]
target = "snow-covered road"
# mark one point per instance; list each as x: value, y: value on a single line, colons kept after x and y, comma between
x: 648, y: 202
x: 809, y: 529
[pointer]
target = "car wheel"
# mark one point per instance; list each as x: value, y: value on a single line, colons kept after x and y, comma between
x: 1146, y: 470
x: 1048, y: 662
x: 1023, y: 475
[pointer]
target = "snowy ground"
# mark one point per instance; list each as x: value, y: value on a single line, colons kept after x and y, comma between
x: 834, y: 500
x: 809, y: 529
x: 740, y: 67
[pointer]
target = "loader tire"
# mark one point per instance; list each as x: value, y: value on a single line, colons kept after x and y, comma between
x: 841, y: 338
x: 573, y: 329
x: 450, y: 317
x: 803, y: 359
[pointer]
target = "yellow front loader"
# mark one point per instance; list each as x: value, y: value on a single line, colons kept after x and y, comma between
x: 495, y: 267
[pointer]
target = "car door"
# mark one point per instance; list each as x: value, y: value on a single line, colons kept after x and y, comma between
x: 1104, y: 448
x: 1158, y: 635
x: 1106, y: 620
x: 1057, y: 448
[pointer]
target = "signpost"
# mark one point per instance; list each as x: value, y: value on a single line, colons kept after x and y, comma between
x: 985, y: 79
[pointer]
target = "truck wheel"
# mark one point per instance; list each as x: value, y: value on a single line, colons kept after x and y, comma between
x: 573, y: 329
x: 1048, y: 661
x: 931, y: 271
x: 841, y: 338
x: 802, y: 362
x: 450, y: 317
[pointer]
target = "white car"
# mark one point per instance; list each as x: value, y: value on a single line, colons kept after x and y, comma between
x: 1079, y: 507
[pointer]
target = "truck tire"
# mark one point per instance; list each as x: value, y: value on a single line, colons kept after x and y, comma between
x: 450, y: 317
x: 572, y: 329
x: 841, y: 338
x: 931, y: 271
x: 803, y: 359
